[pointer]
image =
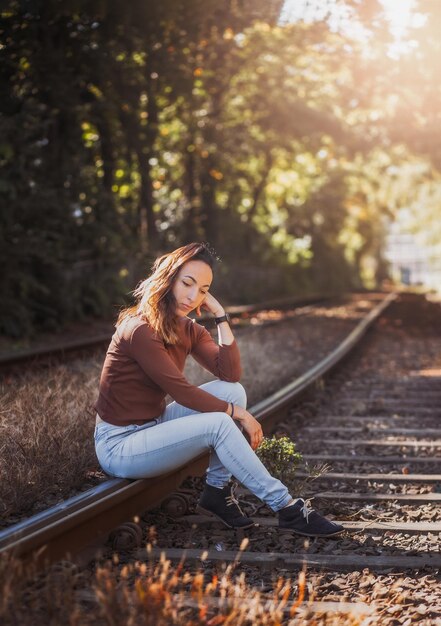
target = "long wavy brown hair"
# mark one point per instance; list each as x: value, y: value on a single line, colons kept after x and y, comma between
x: 156, y: 303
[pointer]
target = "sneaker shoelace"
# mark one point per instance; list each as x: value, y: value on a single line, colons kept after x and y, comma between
x: 306, y: 510
x: 231, y: 500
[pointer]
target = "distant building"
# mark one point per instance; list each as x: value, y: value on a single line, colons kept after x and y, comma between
x: 412, y: 263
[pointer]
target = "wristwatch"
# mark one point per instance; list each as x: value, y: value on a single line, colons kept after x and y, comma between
x: 224, y: 318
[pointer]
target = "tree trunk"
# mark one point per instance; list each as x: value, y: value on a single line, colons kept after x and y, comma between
x: 148, y: 231
x: 192, y: 225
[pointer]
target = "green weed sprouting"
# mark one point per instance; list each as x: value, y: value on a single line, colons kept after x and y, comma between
x: 279, y: 456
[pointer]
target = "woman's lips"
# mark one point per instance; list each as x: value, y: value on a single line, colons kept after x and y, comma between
x: 185, y: 306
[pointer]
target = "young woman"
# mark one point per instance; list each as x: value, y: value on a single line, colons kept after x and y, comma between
x: 138, y: 436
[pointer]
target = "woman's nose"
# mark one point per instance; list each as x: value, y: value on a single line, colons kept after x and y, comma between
x: 193, y: 295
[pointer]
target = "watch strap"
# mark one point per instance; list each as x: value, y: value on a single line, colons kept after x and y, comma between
x: 223, y: 318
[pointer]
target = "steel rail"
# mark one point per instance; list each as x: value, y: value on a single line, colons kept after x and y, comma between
x: 66, y: 528
x: 104, y: 337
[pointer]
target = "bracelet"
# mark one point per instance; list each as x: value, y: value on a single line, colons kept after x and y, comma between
x: 232, y: 410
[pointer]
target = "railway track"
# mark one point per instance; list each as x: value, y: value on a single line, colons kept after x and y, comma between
x: 74, y: 346
x: 83, y: 519
x: 385, y: 487
x: 380, y: 433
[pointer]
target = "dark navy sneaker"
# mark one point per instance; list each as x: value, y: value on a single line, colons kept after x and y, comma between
x: 222, y: 504
x: 305, y: 521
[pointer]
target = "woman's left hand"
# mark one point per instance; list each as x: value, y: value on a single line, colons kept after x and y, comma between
x: 209, y: 303
x: 250, y: 425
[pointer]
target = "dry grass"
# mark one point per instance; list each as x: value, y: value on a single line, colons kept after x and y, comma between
x: 159, y: 594
x: 47, y: 420
x: 46, y: 434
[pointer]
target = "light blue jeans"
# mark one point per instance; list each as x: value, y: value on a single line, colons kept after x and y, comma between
x: 178, y: 436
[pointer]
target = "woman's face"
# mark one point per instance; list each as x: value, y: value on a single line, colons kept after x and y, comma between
x: 191, y: 285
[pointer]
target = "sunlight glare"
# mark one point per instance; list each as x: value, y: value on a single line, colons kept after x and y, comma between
x: 402, y: 15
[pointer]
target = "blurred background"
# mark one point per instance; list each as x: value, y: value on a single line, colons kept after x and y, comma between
x: 300, y: 138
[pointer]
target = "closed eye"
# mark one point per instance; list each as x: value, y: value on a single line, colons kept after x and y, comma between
x: 189, y: 285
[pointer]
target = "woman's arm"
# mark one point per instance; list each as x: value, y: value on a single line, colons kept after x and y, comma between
x: 222, y: 360
x: 212, y: 305
x: 226, y: 338
x: 153, y: 358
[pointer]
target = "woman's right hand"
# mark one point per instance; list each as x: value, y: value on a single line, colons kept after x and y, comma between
x: 250, y: 425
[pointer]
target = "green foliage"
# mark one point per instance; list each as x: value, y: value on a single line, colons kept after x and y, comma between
x: 127, y: 129
x: 279, y: 456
